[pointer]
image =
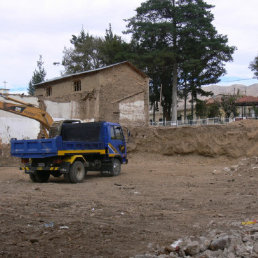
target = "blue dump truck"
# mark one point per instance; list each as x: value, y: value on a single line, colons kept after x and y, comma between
x: 73, y: 149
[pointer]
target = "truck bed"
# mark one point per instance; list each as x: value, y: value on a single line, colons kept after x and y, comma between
x: 43, y: 148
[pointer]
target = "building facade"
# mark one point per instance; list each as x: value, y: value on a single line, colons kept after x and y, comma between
x: 116, y: 93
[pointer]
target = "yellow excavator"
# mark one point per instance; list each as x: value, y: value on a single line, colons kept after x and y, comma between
x: 28, y: 110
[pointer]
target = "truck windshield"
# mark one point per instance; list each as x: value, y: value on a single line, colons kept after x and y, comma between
x: 116, y: 133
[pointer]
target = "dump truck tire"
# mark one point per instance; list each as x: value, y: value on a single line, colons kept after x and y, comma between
x: 40, y: 176
x: 33, y: 178
x: 115, y: 168
x: 77, y: 172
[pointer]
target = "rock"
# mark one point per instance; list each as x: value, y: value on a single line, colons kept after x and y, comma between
x: 205, y: 243
x: 220, y: 243
x: 192, y: 248
x: 231, y: 255
x: 211, y: 254
x: 34, y: 240
x: 145, y: 256
x: 255, y: 248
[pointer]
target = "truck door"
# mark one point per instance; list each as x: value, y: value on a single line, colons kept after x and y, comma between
x: 117, y: 142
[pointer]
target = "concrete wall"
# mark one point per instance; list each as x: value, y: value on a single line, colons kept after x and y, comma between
x: 66, y: 110
x: 132, y: 110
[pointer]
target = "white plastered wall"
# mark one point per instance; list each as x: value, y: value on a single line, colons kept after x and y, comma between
x: 66, y: 110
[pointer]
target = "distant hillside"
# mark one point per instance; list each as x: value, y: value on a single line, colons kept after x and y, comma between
x: 251, y: 90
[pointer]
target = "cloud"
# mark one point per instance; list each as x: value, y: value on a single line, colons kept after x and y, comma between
x: 238, y: 20
x: 30, y: 28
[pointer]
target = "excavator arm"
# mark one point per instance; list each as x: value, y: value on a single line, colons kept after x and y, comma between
x: 27, y: 110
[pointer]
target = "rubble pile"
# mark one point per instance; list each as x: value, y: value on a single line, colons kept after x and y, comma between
x: 236, y: 243
x: 241, y: 241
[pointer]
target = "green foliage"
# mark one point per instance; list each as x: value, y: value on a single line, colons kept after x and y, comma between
x: 255, y: 108
x: 254, y: 66
x: 178, y: 34
x: 89, y: 52
x: 84, y: 55
x: 201, y: 109
x: 214, y: 110
x: 228, y: 104
x: 113, y: 49
x: 38, y: 76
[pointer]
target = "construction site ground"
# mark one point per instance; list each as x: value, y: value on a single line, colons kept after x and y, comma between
x: 157, y: 199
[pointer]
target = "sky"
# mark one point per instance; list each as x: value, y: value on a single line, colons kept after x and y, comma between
x: 30, y: 28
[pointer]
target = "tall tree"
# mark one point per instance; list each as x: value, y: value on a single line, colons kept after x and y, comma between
x: 84, y: 55
x: 89, y: 52
x: 113, y: 48
x: 175, y: 34
x: 228, y: 104
x: 254, y: 66
x: 38, y: 76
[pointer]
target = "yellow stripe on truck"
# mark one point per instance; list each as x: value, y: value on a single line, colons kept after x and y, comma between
x: 113, y: 148
x: 63, y: 152
x: 71, y: 159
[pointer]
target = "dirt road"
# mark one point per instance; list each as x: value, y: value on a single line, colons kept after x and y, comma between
x: 155, y: 200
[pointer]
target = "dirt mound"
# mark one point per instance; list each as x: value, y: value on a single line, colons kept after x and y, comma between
x: 233, y: 140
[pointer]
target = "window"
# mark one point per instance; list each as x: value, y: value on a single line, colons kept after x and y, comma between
x: 49, y: 91
x: 116, y: 133
x: 77, y: 86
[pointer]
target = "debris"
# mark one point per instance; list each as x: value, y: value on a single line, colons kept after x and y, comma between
x: 34, y: 240
x: 226, y: 169
x: 64, y: 227
x: 220, y: 243
x: 49, y: 225
x: 249, y: 222
x: 176, y: 245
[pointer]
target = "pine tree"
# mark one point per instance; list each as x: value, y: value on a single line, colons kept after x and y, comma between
x: 89, y: 52
x: 113, y: 48
x: 84, y: 55
x: 38, y: 76
x: 177, y: 42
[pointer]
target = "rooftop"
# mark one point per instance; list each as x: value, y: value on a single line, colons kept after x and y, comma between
x: 65, y: 77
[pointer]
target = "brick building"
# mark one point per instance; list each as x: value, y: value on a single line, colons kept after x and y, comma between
x: 115, y: 93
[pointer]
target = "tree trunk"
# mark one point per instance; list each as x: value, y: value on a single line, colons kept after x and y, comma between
x: 154, y: 113
x: 192, y: 106
x: 174, y: 95
x: 185, y: 99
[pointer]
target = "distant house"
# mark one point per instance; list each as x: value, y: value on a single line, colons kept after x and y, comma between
x: 116, y: 93
x: 248, y: 106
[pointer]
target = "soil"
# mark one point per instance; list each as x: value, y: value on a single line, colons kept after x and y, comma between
x: 153, y: 202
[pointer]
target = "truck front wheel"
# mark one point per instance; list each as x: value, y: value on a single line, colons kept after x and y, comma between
x: 115, y: 168
x: 76, y: 173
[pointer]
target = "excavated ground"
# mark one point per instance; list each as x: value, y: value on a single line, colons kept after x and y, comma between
x: 161, y: 195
